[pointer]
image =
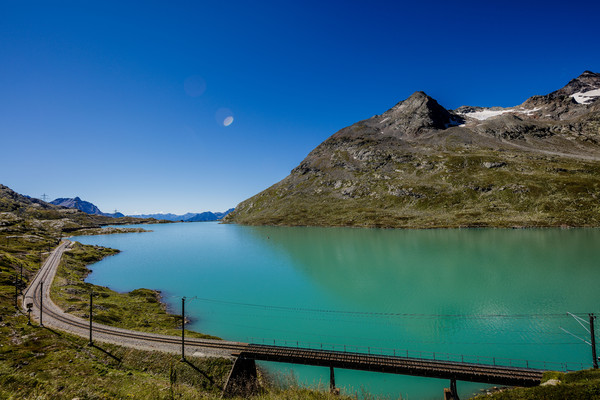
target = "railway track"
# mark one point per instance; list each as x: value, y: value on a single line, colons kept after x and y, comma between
x: 397, y: 365
x: 55, y: 317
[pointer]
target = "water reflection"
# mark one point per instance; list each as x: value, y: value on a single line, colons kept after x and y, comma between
x: 481, y: 271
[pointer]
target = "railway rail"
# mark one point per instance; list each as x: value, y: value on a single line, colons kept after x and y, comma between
x: 39, y: 295
x: 397, y: 365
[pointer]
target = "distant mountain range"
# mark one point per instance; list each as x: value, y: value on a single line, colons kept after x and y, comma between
x: 20, y: 213
x: 419, y: 165
x: 90, y: 208
x: 84, y: 206
x: 189, y: 217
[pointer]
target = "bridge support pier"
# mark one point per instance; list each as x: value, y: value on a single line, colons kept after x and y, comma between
x: 452, y: 393
x: 242, y: 379
x: 332, y: 388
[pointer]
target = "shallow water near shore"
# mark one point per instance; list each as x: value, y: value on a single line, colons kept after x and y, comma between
x: 489, y: 293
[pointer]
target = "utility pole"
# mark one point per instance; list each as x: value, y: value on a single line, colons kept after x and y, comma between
x: 29, y: 305
x: 44, y: 197
x: 91, y: 343
x: 183, y: 328
x: 41, y: 301
x: 595, y: 359
x: 16, y: 292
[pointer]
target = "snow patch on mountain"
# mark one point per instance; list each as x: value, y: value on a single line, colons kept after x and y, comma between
x: 586, y: 97
x: 482, y: 115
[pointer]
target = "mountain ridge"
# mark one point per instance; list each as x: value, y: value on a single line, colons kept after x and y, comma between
x: 85, y: 206
x: 420, y: 165
x: 19, y: 212
x: 188, y: 217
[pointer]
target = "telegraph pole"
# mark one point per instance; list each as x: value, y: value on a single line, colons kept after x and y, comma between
x: 16, y: 292
x: 183, y: 328
x: 91, y: 343
x: 595, y: 359
x: 41, y: 301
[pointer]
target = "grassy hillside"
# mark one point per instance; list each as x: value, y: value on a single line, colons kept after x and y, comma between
x: 452, y: 188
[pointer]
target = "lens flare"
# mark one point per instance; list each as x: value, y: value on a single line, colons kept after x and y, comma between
x: 228, y: 121
x: 224, y: 116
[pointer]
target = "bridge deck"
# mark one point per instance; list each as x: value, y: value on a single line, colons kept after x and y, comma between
x: 396, y: 365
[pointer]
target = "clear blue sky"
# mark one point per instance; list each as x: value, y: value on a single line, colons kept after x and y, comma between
x: 124, y: 103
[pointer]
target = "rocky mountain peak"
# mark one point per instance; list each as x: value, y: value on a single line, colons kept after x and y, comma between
x: 584, y: 83
x: 11, y: 200
x: 417, y: 112
x: 588, y: 74
x: 82, y: 205
x: 576, y: 98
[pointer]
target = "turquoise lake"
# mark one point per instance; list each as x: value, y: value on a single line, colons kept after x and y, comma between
x: 491, y: 293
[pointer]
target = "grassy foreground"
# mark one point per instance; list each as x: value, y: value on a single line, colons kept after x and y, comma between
x: 580, y: 385
x: 40, y: 363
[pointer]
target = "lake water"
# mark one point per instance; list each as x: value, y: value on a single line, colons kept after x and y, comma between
x: 481, y: 292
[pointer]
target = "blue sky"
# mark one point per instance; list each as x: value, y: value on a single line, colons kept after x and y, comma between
x: 124, y: 103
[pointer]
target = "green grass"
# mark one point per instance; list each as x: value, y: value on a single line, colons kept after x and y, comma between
x: 580, y: 385
x: 447, y: 190
x: 38, y: 363
x: 109, y: 231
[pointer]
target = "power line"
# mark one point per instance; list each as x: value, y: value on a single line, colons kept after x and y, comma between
x: 384, y: 314
x: 575, y: 336
x: 438, y: 342
x: 580, y: 321
x: 382, y: 322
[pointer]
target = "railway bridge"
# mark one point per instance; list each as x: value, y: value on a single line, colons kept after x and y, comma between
x: 451, y: 370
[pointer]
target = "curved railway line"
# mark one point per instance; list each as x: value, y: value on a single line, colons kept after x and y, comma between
x: 54, y: 317
x: 39, y: 294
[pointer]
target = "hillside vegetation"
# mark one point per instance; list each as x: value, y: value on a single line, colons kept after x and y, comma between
x: 580, y: 385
